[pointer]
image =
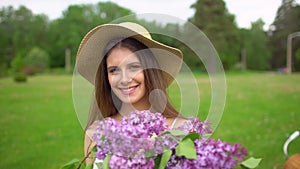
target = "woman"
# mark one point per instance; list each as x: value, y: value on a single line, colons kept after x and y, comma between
x: 132, y: 73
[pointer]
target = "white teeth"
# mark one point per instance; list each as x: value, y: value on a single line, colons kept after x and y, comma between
x: 128, y: 89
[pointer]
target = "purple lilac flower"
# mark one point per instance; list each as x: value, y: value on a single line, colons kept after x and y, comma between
x: 173, y: 163
x: 124, y: 140
x: 118, y: 162
x: 130, y: 137
x: 212, y: 154
x: 151, y: 122
x: 190, y: 125
x: 131, y: 142
x: 195, y: 125
x: 170, y: 141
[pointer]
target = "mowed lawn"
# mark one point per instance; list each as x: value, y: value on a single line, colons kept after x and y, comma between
x: 40, y: 129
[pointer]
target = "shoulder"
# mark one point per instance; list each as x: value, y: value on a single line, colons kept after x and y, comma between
x: 88, y: 141
x: 92, y: 129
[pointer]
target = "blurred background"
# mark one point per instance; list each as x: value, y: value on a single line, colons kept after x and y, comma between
x: 38, y: 52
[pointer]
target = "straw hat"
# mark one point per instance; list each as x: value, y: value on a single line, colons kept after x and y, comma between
x: 90, y: 51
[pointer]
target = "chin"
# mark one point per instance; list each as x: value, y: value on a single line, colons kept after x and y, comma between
x: 128, y: 101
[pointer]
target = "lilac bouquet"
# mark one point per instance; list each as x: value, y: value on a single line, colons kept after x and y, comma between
x: 144, y: 140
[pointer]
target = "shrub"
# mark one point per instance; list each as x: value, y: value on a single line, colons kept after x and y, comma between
x: 20, y: 77
x: 29, y: 70
x: 37, y: 58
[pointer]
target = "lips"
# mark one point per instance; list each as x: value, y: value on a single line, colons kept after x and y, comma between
x: 128, y: 90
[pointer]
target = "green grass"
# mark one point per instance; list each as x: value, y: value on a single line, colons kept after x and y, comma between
x: 40, y: 127
x: 261, y: 111
x: 38, y: 123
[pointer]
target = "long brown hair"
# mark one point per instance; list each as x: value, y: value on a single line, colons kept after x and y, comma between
x: 108, y: 104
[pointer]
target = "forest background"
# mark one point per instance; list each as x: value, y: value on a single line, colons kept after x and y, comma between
x: 31, y: 43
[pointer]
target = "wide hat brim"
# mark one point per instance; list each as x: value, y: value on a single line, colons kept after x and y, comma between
x: 90, y: 51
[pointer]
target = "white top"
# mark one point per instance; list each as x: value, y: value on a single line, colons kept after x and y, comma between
x: 97, y: 161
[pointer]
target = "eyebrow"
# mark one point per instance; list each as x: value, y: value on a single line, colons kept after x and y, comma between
x: 110, y: 67
x: 132, y: 63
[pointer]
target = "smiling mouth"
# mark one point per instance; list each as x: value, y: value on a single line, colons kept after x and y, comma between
x: 129, y: 90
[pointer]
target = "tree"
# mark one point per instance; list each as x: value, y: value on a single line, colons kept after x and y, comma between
x: 255, y: 43
x: 17, y: 64
x: 286, y: 22
x: 218, y: 24
x: 28, y: 30
x: 109, y: 11
x: 19, y: 31
x: 77, y: 20
x: 66, y: 32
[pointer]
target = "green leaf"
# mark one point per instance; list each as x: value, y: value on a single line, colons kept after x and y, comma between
x: 99, y: 165
x: 89, y: 166
x: 149, y: 154
x: 251, y: 162
x: 71, y: 164
x: 165, y: 158
x: 105, y: 161
x: 193, y: 136
x: 157, y: 161
x: 83, y: 166
x: 93, y: 152
x: 186, y: 147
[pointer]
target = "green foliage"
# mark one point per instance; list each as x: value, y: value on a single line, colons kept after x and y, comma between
x: 164, y: 159
x: 255, y: 44
x: 20, y: 30
x: 77, y: 20
x: 105, y: 161
x: 74, y: 164
x: 186, y: 148
x: 71, y: 164
x: 286, y: 22
x: 17, y: 63
x: 20, y: 77
x: 218, y: 24
x: 251, y: 162
x: 3, y: 69
x: 37, y: 59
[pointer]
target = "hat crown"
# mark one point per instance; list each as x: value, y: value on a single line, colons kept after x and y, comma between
x: 136, y: 28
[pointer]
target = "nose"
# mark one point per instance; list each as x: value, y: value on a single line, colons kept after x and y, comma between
x: 126, y: 78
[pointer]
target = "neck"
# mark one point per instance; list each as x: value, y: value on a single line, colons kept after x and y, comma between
x: 128, y: 108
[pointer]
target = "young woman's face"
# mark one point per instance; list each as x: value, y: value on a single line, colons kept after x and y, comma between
x: 126, y: 77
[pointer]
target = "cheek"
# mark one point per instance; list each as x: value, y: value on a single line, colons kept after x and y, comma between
x: 140, y: 77
x: 111, y: 80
